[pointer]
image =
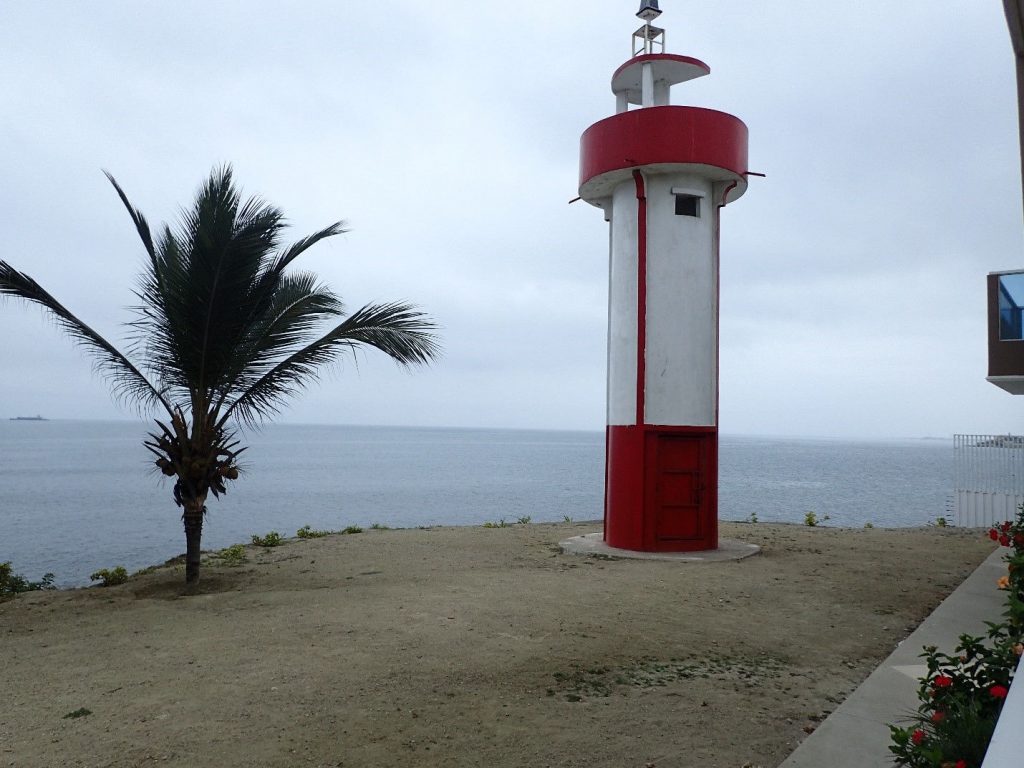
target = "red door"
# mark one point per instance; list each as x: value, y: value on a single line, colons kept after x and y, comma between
x: 680, y: 499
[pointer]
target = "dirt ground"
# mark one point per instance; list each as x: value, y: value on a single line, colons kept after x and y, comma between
x: 468, y: 647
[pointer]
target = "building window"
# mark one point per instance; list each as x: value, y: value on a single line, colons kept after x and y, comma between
x: 687, y: 205
x: 1011, y: 307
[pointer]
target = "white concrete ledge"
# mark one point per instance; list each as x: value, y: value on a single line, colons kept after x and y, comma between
x: 1007, y: 747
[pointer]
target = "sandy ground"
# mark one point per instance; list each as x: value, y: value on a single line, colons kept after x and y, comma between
x: 468, y: 647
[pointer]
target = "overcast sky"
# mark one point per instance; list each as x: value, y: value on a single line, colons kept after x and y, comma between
x: 447, y: 135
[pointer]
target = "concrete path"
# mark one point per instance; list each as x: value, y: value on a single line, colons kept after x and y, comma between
x: 856, y: 734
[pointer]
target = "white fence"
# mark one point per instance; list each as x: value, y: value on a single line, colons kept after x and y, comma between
x: 988, y: 478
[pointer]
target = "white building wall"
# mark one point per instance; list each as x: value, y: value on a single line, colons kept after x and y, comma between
x: 682, y: 305
x: 1007, y: 745
x: 622, y: 307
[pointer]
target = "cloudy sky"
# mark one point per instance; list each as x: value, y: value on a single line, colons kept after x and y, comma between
x: 446, y: 134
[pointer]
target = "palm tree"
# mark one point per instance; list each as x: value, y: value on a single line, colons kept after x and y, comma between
x: 223, y: 334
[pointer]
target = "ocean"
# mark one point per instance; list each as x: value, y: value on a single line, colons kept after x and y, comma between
x: 77, y: 496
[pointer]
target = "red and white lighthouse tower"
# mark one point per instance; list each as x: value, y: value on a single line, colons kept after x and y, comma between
x: 661, y: 174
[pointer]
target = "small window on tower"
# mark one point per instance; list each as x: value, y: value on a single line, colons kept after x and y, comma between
x: 687, y: 205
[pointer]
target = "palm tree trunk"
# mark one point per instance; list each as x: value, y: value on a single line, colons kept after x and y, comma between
x: 193, y: 518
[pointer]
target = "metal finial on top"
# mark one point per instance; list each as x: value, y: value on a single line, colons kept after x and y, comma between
x: 649, y: 10
x: 645, y: 38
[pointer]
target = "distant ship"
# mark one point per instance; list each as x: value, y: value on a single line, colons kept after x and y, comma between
x: 28, y: 418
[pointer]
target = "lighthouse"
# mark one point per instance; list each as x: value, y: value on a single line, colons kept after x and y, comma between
x: 662, y: 174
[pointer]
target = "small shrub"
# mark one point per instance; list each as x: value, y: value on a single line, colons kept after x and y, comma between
x: 941, y: 522
x: 351, y: 529
x: 232, y: 556
x: 500, y: 524
x: 272, y: 539
x: 525, y: 520
x: 752, y: 518
x: 567, y: 519
x: 379, y: 527
x: 812, y: 519
x: 80, y: 712
x: 869, y: 525
x: 12, y: 584
x: 305, y: 532
x: 110, y: 577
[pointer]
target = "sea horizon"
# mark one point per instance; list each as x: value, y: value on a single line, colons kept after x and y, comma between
x: 243, y: 429
x: 83, y: 494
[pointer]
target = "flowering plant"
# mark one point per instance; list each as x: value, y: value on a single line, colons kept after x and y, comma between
x: 1011, y: 534
x: 960, y: 700
x: 963, y: 693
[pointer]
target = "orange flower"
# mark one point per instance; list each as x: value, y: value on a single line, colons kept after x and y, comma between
x: 1004, y: 582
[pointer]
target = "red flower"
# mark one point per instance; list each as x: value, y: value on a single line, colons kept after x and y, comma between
x: 998, y: 691
x: 960, y: 764
x: 1018, y: 538
x: 1005, y: 527
x: 938, y: 716
x: 993, y: 534
x: 942, y: 681
x: 1004, y: 539
x: 917, y: 736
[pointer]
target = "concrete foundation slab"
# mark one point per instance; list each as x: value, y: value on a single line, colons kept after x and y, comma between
x: 593, y: 544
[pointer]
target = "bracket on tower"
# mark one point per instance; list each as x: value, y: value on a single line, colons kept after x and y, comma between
x: 646, y: 38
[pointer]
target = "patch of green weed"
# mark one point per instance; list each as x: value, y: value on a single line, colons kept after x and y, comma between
x: 272, y: 539
x: 110, y: 577
x: 232, y: 556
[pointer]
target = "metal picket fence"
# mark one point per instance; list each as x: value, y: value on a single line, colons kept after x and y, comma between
x: 988, y: 478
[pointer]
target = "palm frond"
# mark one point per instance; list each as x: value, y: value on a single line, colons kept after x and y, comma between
x: 140, y: 221
x: 399, y: 330
x: 277, y: 307
x: 127, y: 380
x: 298, y: 307
x: 203, y: 288
x: 295, y: 250
x: 157, y: 332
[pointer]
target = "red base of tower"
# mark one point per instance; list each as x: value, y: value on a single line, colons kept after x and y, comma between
x: 661, y: 490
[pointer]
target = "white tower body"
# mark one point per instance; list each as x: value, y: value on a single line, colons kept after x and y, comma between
x: 661, y: 174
